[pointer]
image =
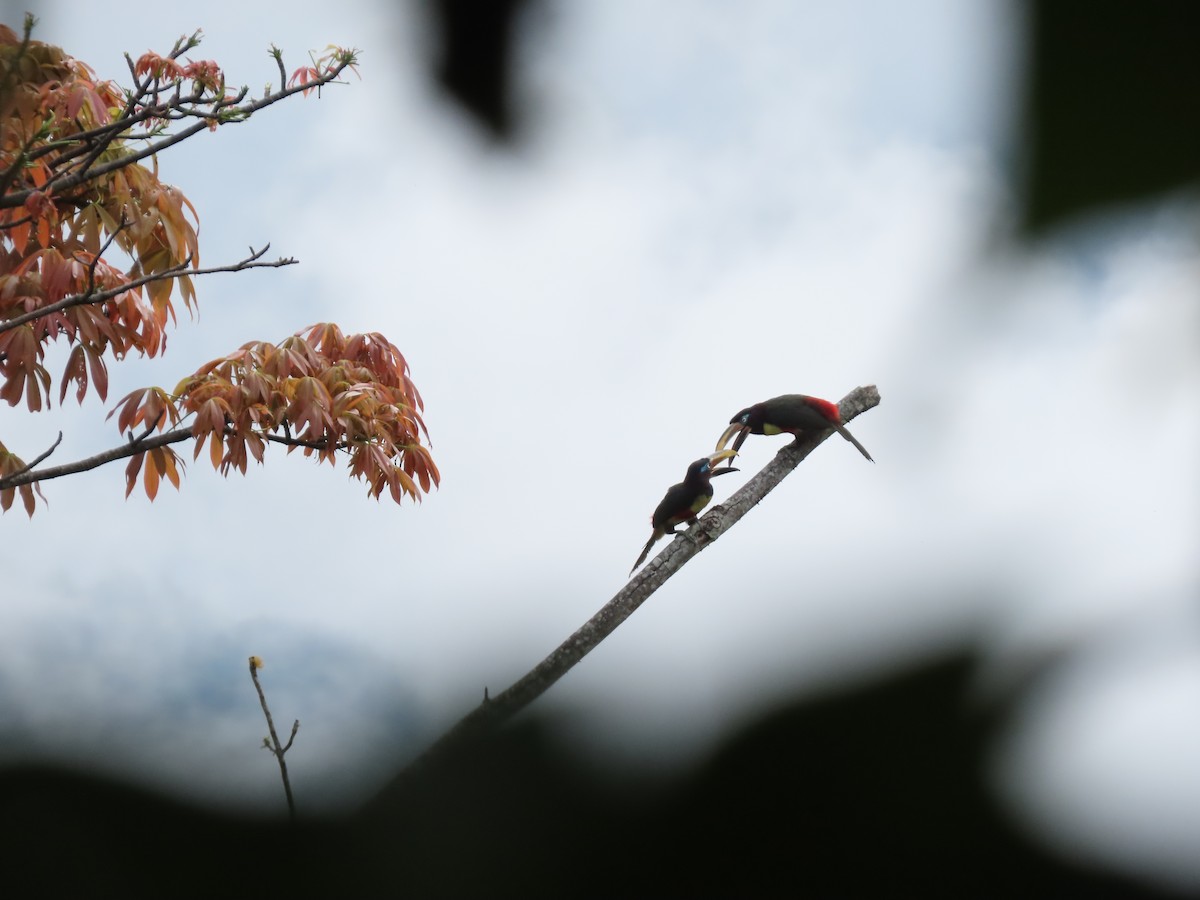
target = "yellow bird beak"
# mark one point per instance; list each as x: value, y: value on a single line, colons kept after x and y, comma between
x: 720, y: 456
x: 732, y: 430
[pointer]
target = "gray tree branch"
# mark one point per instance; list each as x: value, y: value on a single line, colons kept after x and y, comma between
x: 139, y: 444
x: 648, y: 579
x: 30, y: 475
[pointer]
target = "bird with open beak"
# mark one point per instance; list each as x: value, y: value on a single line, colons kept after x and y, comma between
x: 684, y: 501
x: 795, y: 414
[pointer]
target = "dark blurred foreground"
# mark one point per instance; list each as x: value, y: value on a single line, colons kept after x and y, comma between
x: 871, y: 793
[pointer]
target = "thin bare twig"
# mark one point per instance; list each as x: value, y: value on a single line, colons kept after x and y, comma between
x: 278, y: 56
x: 147, y: 431
x: 503, y: 706
x: 251, y: 262
x: 65, y: 181
x: 91, y: 270
x: 29, y: 466
x: 277, y: 749
x: 125, y: 450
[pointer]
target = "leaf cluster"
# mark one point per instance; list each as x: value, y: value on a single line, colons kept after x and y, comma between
x: 78, y: 182
x: 57, y: 122
x: 72, y: 185
x: 319, y: 391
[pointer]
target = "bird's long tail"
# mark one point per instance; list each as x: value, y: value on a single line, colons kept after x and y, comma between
x: 848, y: 436
x: 645, y: 551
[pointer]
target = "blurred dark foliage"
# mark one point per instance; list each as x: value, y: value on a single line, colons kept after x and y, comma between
x: 476, y: 60
x: 873, y: 792
x: 1112, y: 105
x: 1110, y: 112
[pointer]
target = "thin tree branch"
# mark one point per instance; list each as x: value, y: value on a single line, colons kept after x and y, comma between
x: 136, y: 444
x: 92, y: 462
x: 147, y: 431
x: 253, y: 261
x: 321, y: 444
x: 291, y: 737
x: 712, y: 525
x: 108, y: 241
x: 79, y: 143
x: 273, y: 744
x: 29, y: 466
x: 64, y: 181
x: 4, y: 226
x: 85, y: 168
x: 277, y: 54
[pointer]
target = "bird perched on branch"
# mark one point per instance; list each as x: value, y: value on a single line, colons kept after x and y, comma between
x: 795, y: 414
x: 684, y: 501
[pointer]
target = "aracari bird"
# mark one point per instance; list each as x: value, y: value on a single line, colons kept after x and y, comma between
x: 684, y: 501
x: 795, y: 414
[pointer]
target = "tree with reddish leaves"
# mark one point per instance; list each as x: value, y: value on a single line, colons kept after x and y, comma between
x: 77, y: 189
x: 95, y: 250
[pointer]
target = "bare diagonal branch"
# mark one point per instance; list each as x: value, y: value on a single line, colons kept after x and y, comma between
x: 650, y: 578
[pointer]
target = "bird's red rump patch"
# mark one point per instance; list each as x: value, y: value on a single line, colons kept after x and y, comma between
x: 825, y: 408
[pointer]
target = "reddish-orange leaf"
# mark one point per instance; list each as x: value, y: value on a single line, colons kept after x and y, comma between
x: 131, y: 473
x: 33, y: 396
x: 99, y: 373
x: 150, y: 479
x: 158, y: 457
x: 126, y: 410
x: 237, y: 452
x: 19, y: 235
x: 422, y: 473
x: 256, y: 445
x: 407, y: 484
x: 198, y: 445
x: 153, y: 408
x: 76, y: 370
x: 14, y: 388
x: 171, y: 463
x: 210, y: 416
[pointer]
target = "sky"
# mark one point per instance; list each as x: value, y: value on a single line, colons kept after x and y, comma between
x: 711, y: 207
